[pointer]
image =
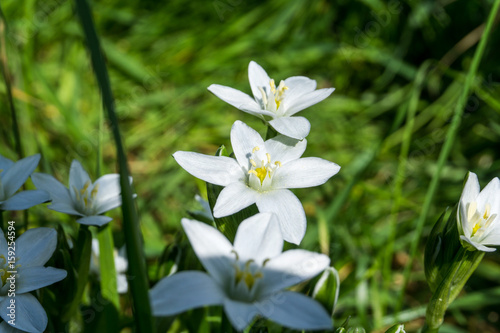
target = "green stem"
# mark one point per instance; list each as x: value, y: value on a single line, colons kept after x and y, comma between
x: 81, y: 260
x: 464, y: 264
x: 133, y: 236
x: 109, y: 288
x: 445, y: 151
x: 225, y: 325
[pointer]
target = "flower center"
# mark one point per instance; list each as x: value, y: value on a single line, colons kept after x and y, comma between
x: 263, y: 169
x: 7, y: 269
x: 86, y: 197
x: 246, y: 275
x: 276, y: 94
x: 480, y: 221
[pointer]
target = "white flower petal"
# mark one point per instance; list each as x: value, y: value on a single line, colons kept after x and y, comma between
x: 30, y: 315
x: 284, y: 149
x: 36, y: 246
x: 108, y: 186
x: 289, y: 211
x: 211, y: 247
x: 478, y: 246
x: 258, y: 77
x: 244, y: 139
x: 488, y: 195
x: 471, y: 189
x: 218, y: 170
x: 58, y: 192
x: 297, y: 311
x: 258, y: 238
x: 462, y: 219
x: 298, y: 103
x: 108, y: 204
x: 299, y: 85
x: 65, y: 208
x: 233, y: 198
x: 184, y: 291
x: 5, y: 163
x: 25, y: 199
x: 78, y: 177
x: 239, y: 100
x: 33, y: 278
x: 122, y: 283
x: 98, y: 220
x: 239, y: 314
x: 304, y: 172
x: 294, y: 127
x: 14, y: 177
x: 290, y: 268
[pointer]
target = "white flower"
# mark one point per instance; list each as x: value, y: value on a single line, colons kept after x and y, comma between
x: 12, y: 177
x: 277, y: 105
x: 247, y: 279
x: 478, y: 214
x: 121, y: 265
x: 261, y: 174
x: 32, y: 250
x: 83, y: 198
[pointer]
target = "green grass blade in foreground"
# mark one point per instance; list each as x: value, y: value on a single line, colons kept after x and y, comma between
x: 137, y: 265
x: 8, y: 86
x: 445, y: 151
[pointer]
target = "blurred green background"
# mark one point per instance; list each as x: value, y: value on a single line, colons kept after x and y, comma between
x: 162, y: 55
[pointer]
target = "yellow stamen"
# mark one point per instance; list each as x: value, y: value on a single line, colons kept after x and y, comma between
x: 255, y: 149
x: 477, y: 226
x: 268, y: 157
x: 278, y: 163
x: 85, y: 187
x: 252, y: 162
x: 487, y: 211
x: 94, y: 191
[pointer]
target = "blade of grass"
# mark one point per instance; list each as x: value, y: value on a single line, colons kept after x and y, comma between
x: 401, y: 171
x: 445, y: 151
x: 6, y: 76
x: 137, y: 264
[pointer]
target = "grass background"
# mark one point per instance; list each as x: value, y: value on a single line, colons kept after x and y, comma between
x: 163, y: 55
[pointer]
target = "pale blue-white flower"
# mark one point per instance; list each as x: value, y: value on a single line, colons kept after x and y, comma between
x: 12, y: 177
x: 121, y: 265
x: 478, y: 214
x: 275, y: 104
x: 247, y: 279
x: 32, y: 251
x: 83, y: 198
x: 262, y: 173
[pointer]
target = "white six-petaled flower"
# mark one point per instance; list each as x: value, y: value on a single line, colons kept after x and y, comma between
x: 84, y: 198
x: 247, y: 279
x: 32, y: 251
x: 478, y: 214
x: 262, y: 174
x: 12, y: 177
x: 275, y: 104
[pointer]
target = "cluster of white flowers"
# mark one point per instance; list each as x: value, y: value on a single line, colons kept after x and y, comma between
x: 248, y: 278
x: 22, y: 260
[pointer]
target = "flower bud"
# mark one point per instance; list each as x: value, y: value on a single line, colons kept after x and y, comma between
x: 326, y: 290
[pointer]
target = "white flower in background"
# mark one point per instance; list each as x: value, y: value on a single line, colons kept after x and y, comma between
x: 275, y: 104
x: 121, y: 265
x: 262, y: 174
x: 33, y: 249
x: 84, y: 198
x: 12, y: 177
x: 247, y: 279
x: 478, y: 214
